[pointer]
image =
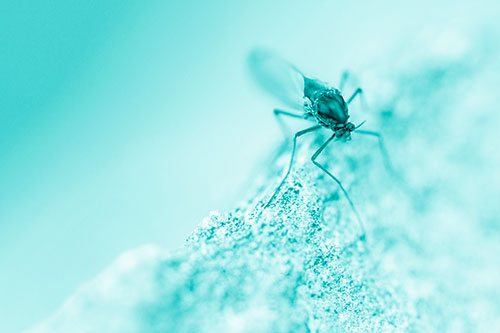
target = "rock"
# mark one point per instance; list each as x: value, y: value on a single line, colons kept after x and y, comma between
x: 428, y: 264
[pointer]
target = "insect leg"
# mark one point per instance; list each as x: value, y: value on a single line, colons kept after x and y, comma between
x: 383, y: 149
x: 313, y: 159
x: 362, y: 99
x: 278, y: 113
x: 300, y: 133
x: 358, y: 91
x: 343, y: 80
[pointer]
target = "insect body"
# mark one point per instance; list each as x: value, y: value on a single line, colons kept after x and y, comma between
x: 328, y: 107
x: 317, y: 102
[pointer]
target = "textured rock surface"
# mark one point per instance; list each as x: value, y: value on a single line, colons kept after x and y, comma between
x: 429, y: 262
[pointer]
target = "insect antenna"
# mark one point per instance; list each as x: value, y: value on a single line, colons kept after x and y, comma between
x: 355, y: 128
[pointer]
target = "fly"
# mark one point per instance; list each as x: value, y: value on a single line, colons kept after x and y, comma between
x: 317, y: 102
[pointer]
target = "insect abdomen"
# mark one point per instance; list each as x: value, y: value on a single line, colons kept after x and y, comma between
x: 312, y: 87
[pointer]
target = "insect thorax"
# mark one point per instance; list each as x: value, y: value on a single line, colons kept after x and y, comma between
x: 328, y: 107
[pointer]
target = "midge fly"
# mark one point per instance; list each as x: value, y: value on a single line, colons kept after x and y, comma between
x: 318, y: 102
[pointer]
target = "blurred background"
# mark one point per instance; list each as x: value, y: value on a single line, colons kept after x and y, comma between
x: 124, y: 122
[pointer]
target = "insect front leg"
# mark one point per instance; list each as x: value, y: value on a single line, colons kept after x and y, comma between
x: 382, y: 147
x: 298, y: 134
x: 313, y: 159
x: 279, y: 113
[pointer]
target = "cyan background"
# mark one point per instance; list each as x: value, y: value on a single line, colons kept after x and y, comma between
x: 125, y: 122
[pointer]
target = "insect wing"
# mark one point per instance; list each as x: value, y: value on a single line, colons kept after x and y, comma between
x: 278, y: 77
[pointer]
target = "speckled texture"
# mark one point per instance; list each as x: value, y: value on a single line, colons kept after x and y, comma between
x: 429, y: 263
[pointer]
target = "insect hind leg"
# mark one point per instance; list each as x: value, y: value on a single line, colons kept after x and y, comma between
x: 357, y: 92
x: 278, y: 113
x: 343, y: 80
x: 313, y: 159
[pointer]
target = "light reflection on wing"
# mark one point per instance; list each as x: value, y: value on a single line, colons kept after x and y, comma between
x: 278, y: 77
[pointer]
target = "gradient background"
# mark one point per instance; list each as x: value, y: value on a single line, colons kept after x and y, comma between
x: 125, y: 122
